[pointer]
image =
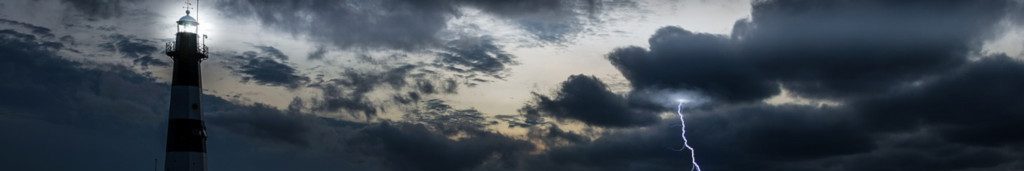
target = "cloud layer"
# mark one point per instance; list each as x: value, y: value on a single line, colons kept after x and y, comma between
x: 907, y: 84
x: 406, y: 24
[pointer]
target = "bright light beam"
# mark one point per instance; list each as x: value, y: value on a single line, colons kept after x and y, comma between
x: 686, y: 144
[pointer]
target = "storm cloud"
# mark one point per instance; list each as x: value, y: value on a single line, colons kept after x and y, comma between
x: 267, y: 67
x: 898, y: 69
x: 475, y: 55
x: 433, y: 151
x: 700, y: 62
x: 587, y: 99
x: 410, y: 24
x: 101, y: 9
x: 141, y: 51
x: 852, y: 48
x: 975, y: 104
x: 349, y: 93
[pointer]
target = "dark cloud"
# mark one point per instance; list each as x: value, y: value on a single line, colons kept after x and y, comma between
x: 700, y: 62
x: 37, y: 30
x: 646, y: 148
x: 267, y: 68
x: 587, y: 99
x: 782, y: 133
x: 318, y: 54
x: 475, y: 55
x: 407, y: 24
x: 396, y: 24
x: 837, y: 49
x: 555, y: 136
x: 34, y: 62
x: 976, y: 104
x: 420, y: 143
x: 423, y: 141
x: 425, y: 86
x: 333, y: 99
x: 260, y: 121
x: 349, y: 93
x: 820, y: 49
x: 101, y: 9
x: 924, y: 150
x: 901, y: 72
x: 139, y: 50
x: 407, y: 84
x: 272, y: 52
x: 414, y: 147
x: 420, y: 26
x: 39, y: 35
x: 547, y: 20
x: 438, y: 114
x: 408, y: 98
x: 766, y: 137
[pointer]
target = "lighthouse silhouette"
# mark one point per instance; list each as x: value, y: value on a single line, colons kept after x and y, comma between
x: 186, y: 133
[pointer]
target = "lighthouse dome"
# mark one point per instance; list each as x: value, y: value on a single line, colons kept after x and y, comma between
x: 187, y: 19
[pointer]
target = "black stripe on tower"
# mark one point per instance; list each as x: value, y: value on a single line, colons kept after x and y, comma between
x: 186, y: 73
x: 187, y: 135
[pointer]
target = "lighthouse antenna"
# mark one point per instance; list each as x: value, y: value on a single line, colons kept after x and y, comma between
x: 197, y: 11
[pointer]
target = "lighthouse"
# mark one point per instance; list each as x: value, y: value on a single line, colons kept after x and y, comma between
x: 186, y: 133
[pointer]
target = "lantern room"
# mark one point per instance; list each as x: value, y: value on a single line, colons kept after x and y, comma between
x: 187, y: 24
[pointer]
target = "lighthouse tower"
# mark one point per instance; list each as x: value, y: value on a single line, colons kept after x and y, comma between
x: 186, y: 134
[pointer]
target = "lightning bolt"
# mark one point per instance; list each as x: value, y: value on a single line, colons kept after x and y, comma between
x: 686, y: 144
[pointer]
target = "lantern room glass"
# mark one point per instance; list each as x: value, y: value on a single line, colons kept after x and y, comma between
x: 187, y: 27
x: 187, y: 24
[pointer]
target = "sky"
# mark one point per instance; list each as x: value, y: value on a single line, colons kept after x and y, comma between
x: 784, y: 85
